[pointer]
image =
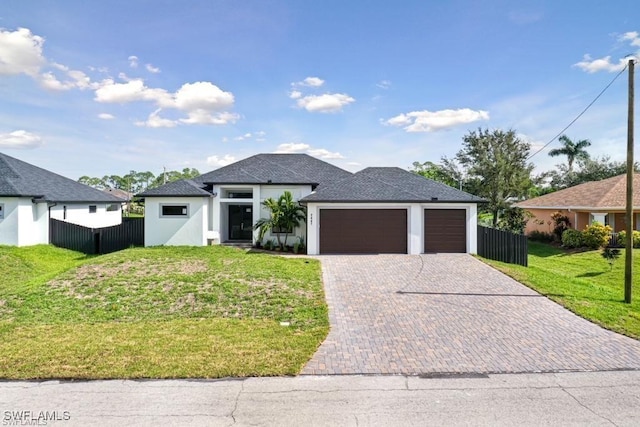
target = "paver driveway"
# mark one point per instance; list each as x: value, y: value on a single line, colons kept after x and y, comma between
x: 450, y: 313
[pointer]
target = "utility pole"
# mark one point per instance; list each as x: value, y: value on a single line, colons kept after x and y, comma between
x: 628, y: 265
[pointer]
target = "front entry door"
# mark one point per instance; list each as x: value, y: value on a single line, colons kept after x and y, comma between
x: 240, y: 222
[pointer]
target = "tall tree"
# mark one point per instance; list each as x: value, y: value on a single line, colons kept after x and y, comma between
x: 498, y: 160
x: 573, y: 150
x: 435, y: 172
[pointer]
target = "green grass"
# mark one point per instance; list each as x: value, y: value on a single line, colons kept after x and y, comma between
x: 583, y: 283
x: 166, y: 312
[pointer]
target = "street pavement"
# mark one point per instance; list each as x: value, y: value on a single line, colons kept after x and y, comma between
x: 580, y: 398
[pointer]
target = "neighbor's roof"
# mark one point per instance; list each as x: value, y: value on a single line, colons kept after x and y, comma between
x: 389, y: 184
x: 276, y: 169
x: 181, y: 188
x: 606, y: 194
x: 21, y: 179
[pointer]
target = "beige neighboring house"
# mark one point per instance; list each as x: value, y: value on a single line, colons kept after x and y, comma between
x: 602, y: 201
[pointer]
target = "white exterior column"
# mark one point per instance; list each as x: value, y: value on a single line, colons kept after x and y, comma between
x: 313, y: 229
x: 416, y: 232
x: 472, y: 227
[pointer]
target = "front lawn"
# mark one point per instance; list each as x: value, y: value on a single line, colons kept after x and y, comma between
x: 583, y: 283
x: 166, y: 312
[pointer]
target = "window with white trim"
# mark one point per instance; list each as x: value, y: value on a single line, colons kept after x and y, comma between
x: 171, y: 211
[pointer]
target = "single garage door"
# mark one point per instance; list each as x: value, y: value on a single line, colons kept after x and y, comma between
x: 445, y: 230
x: 363, y: 231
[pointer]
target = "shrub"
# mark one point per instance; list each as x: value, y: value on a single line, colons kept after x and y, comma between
x: 596, y: 235
x: 611, y: 255
x: 623, y: 235
x: 560, y: 224
x: 572, y: 238
x: 540, y: 236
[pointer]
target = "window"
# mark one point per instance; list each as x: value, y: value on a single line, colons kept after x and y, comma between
x: 113, y: 207
x: 280, y: 230
x: 240, y: 195
x: 174, y: 210
x: 1, y: 210
x: 93, y: 208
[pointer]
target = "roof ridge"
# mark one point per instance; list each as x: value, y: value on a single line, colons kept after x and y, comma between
x: 268, y: 160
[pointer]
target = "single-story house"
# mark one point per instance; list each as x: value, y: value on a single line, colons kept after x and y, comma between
x: 376, y: 210
x: 30, y: 195
x: 602, y: 201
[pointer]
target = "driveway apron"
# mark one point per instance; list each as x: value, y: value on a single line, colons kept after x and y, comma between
x: 450, y: 313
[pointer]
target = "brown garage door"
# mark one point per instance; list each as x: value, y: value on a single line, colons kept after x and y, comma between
x: 445, y: 230
x: 363, y: 231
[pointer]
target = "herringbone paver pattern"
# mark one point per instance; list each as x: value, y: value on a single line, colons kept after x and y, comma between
x: 450, y: 313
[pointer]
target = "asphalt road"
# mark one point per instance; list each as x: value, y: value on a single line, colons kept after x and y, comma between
x: 583, y: 398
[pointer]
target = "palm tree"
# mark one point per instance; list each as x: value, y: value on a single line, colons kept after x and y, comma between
x: 573, y: 150
x: 285, y: 215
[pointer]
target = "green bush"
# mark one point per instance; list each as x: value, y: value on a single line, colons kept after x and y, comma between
x: 623, y: 235
x: 572, y: 238
x: 540, y: 236
x: 596, y: 235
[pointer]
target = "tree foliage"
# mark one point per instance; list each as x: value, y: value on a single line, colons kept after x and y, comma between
x: 285, y: 215
x: 573, y: 150
x: 136, y: 182
x: 498, y: 160
x: 437, y: 172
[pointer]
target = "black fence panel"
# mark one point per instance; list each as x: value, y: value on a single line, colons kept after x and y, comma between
x: 502, y: 246
x: 93, y: 241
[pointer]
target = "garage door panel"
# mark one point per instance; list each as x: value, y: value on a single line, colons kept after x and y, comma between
x: 445, y: 230
x: 363, y: 231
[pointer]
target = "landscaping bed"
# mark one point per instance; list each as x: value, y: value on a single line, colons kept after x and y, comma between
x: 166, y: 312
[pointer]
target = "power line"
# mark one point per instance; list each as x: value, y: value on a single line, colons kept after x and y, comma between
x: 581, y: 113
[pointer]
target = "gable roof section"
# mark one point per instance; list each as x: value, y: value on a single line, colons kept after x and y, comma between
x: 605, y: 194
x: 181, y: 188
x: 21, y: 179
x: 389, y: 184
x: 276, y: 169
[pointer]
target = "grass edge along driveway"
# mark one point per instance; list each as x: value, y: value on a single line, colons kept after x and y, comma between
x: 583, y: 283
x: 166, y: 312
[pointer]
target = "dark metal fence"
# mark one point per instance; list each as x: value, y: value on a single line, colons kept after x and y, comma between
x: 502, y: 246
x: 94, y: 241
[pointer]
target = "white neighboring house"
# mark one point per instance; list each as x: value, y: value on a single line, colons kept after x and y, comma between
x: 30, y: 196
x: 376, y: 210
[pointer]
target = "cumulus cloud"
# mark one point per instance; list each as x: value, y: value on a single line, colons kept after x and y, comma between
x: 591, y: 65
x: 310, y: 82
x: 295, y: 94
x: 20, y: 52
x: 326, y: 103
x: 429, y: 121
x: 216, y: 162
x: 20, y: 139
x: 106, y: 116
x: 150, y: 68
x: 155, y: 121
x: 204, y: 117
x: 299, y: 147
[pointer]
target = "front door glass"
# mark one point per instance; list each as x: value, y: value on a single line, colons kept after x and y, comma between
x: 240, y: 222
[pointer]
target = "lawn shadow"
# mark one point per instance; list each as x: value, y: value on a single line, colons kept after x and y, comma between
x: 591, y: 274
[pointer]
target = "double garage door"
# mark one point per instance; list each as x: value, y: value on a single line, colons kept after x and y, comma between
x: 367, y: 231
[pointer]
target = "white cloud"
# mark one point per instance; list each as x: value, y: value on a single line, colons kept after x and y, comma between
x: 150, y: 68
x: 20, y: 52
x: 133, y: 61
x: 202, y: 95
x: 384, y: 84
x: 354, y: 164
x: 295, y: 94
x: 133, y: 90
x: 326, y: 103
x: 429, y: 121
x: 590, y: 65
x: 310, y: 82
x: 216, y: 162
x: 155, y: 121
x: 106, y: 116
x: 300, y: 147
x: 204, y: 117
x: 20, y: 139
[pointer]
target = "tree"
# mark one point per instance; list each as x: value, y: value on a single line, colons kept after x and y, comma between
x: 573, y: 150
x: 285, y: 215
x: 590, y: 169
x: 435, y: 172
x: 498, y: 160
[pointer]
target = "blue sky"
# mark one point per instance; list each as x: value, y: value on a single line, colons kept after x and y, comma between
x: 96, y: 88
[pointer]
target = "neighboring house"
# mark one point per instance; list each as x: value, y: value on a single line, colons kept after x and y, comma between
x: 603, y: 201
x: 126, y: 197
x: 377, y: 210
x: 29, y: 196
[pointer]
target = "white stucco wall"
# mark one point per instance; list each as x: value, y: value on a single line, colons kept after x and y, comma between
x: 415, y: 222
x: 78, y: 213
x: 275, y: 191
x: 33, y: 223
x: 175, y: 231
x: 9, y: 222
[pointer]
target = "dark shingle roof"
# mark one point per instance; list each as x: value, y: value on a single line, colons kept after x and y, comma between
x: 276, y: 169
x: 21, y: 179
x: 380, y: 184
x: 182, y: 188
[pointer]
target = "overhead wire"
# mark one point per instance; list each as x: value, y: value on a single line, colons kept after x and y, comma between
x: 581, y: 113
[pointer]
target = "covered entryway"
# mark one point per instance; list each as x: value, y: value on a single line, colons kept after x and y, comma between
x: 363, y: 231
x: 445, y: 230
